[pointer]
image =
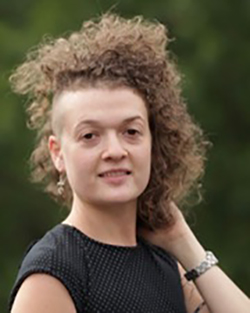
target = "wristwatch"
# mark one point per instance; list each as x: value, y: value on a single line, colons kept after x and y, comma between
x: 210, y: 260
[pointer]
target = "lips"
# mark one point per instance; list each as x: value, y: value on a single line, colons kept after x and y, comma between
x: 115, y: 173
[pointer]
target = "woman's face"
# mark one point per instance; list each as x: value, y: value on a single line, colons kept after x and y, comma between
x: 104, y: 144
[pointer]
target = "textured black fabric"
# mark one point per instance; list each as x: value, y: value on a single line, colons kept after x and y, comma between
x: 106, y: 278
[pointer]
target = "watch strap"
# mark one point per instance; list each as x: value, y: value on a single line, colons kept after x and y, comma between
x: 210, y: 261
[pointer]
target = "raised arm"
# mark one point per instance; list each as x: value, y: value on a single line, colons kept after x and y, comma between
x: 215, y: 287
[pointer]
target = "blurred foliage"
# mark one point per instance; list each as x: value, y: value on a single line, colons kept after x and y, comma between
x: 212, y: 47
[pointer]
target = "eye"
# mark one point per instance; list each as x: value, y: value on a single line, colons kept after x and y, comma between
x: 132, y: 132
x: 88, y: 136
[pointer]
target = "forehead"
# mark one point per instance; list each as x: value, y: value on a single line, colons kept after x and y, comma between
x: 99, y: 104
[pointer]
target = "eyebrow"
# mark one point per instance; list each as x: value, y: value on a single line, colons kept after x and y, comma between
x: 97, y: 123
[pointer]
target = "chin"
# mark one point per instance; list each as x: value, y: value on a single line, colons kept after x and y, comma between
x: 118, y: 199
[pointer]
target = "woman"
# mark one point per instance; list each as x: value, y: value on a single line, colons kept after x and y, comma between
x: 117, y: 146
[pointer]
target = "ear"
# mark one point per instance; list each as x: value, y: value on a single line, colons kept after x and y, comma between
x: 56, y: 153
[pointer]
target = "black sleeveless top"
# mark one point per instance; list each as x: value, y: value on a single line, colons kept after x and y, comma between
x: 106, y: 278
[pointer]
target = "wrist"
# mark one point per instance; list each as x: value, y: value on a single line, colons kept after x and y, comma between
x: 189, y: 252
x: 209, y: 261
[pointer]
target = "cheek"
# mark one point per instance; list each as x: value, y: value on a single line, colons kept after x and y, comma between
x: 144, y: 169
x: 80, y: 163
x: 148, y: 164
x: 147, y: 161
x: 143, y: 160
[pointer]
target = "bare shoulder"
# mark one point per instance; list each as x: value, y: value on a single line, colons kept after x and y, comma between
x: 42, y: 293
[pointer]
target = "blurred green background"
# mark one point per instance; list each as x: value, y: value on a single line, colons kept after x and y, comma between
x: 212, y: 48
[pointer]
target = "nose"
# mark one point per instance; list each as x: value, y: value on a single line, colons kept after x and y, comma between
x: 114, y: 148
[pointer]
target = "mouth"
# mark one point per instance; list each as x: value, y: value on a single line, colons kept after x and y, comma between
x: 115, y: 173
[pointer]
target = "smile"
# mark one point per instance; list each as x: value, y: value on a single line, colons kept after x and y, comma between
x: 115, y: 172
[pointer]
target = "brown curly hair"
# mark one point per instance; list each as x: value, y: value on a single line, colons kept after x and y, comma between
x: 118, y: 52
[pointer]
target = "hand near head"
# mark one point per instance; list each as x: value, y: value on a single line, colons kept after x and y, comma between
x: 177, y: 238
x: 167, y: 237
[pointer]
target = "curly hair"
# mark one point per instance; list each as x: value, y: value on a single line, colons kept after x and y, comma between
x: 132, y: 53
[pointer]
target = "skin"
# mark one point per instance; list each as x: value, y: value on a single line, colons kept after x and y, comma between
x: 42, y: 293
x: 218, y: 291
x: 108, y: 129
x: 84, y: 150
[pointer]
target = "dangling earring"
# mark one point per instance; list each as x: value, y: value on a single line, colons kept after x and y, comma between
x: 61, y: 185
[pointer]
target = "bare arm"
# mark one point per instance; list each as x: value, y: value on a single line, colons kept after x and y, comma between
x: 42, y: 293
x: 218, y: 291
x: 192, y: 296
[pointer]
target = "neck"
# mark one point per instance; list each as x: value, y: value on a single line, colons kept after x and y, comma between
x: 114, y: 224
